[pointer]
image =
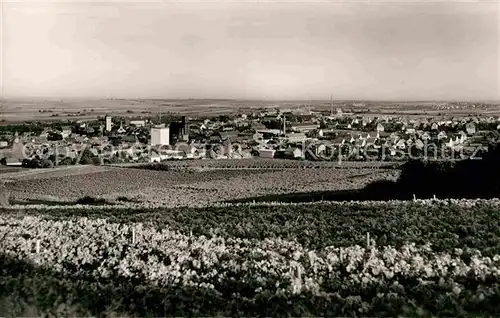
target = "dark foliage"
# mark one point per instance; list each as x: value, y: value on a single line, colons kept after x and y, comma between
x: 54, y: 136
x: 24, y: 285
x: 90, y: 200
x: 472, y: 178
x: 155, y: 166
x: 127, y: 199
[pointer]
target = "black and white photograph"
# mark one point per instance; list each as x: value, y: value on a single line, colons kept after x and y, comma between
x: 250, y: 158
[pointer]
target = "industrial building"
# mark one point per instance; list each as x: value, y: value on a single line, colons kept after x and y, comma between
x: 138, y: 123
x: 305, y: 127
x: 179, y: 131
x: 160, y: 136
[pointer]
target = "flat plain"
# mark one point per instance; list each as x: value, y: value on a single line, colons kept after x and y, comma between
x: 23, y: 109
x: 193, y: 185
x: 193, y: 239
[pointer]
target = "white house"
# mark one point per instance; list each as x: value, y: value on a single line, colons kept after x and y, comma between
x: 339, y: 141
x: 360, y: 143
x: 419, y: 144
x: 371, y: 140
x: 401, y: 144
x: 266, y: 153
x: 470, y: 128
x: 138, y: 123
x: 296, y: 137
x: 463, y: 137
x: 13, y: 162
x: 293, y: 152
x: 320, y: 148
x: 425, y: 136
x: 155, y: 158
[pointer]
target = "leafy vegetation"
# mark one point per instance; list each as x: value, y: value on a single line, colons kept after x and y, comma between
x: 94, y: 267
x: 443, y: 225
x: 393, y: 258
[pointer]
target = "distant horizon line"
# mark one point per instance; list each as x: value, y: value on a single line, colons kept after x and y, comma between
x: 245, y: 99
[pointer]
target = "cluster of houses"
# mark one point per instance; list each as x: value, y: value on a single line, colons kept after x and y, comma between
x: 270, y: 134
x: 382, y: 137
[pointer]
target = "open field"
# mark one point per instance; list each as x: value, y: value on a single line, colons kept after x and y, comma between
x: 5, y: 170
x: 263, y: 163
x: 184, y: 187
x: 14, y: 110
x: 18, y: 110
x: 15, y: 173
x: 182, y: 247
x: 429, y: 258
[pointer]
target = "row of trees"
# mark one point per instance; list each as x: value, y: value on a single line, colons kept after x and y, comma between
x: 92, y: 129
x: 462, y: 179
x: 87, y: 158
x: 424, y: 179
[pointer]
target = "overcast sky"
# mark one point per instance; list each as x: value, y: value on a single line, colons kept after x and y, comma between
x: 271, y: 50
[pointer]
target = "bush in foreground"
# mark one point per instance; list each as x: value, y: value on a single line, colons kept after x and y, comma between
x: 95, y: 267
x: 90, y: 200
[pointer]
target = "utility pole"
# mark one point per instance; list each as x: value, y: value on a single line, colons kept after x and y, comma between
x: 284, y: 124
x: 331, y: 105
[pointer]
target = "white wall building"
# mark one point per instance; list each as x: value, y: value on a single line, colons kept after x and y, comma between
x: 109, y: 123
x: 155, y: 158
x: 160, y: 136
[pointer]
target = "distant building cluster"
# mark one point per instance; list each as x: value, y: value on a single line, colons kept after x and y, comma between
x: 268, y: 133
